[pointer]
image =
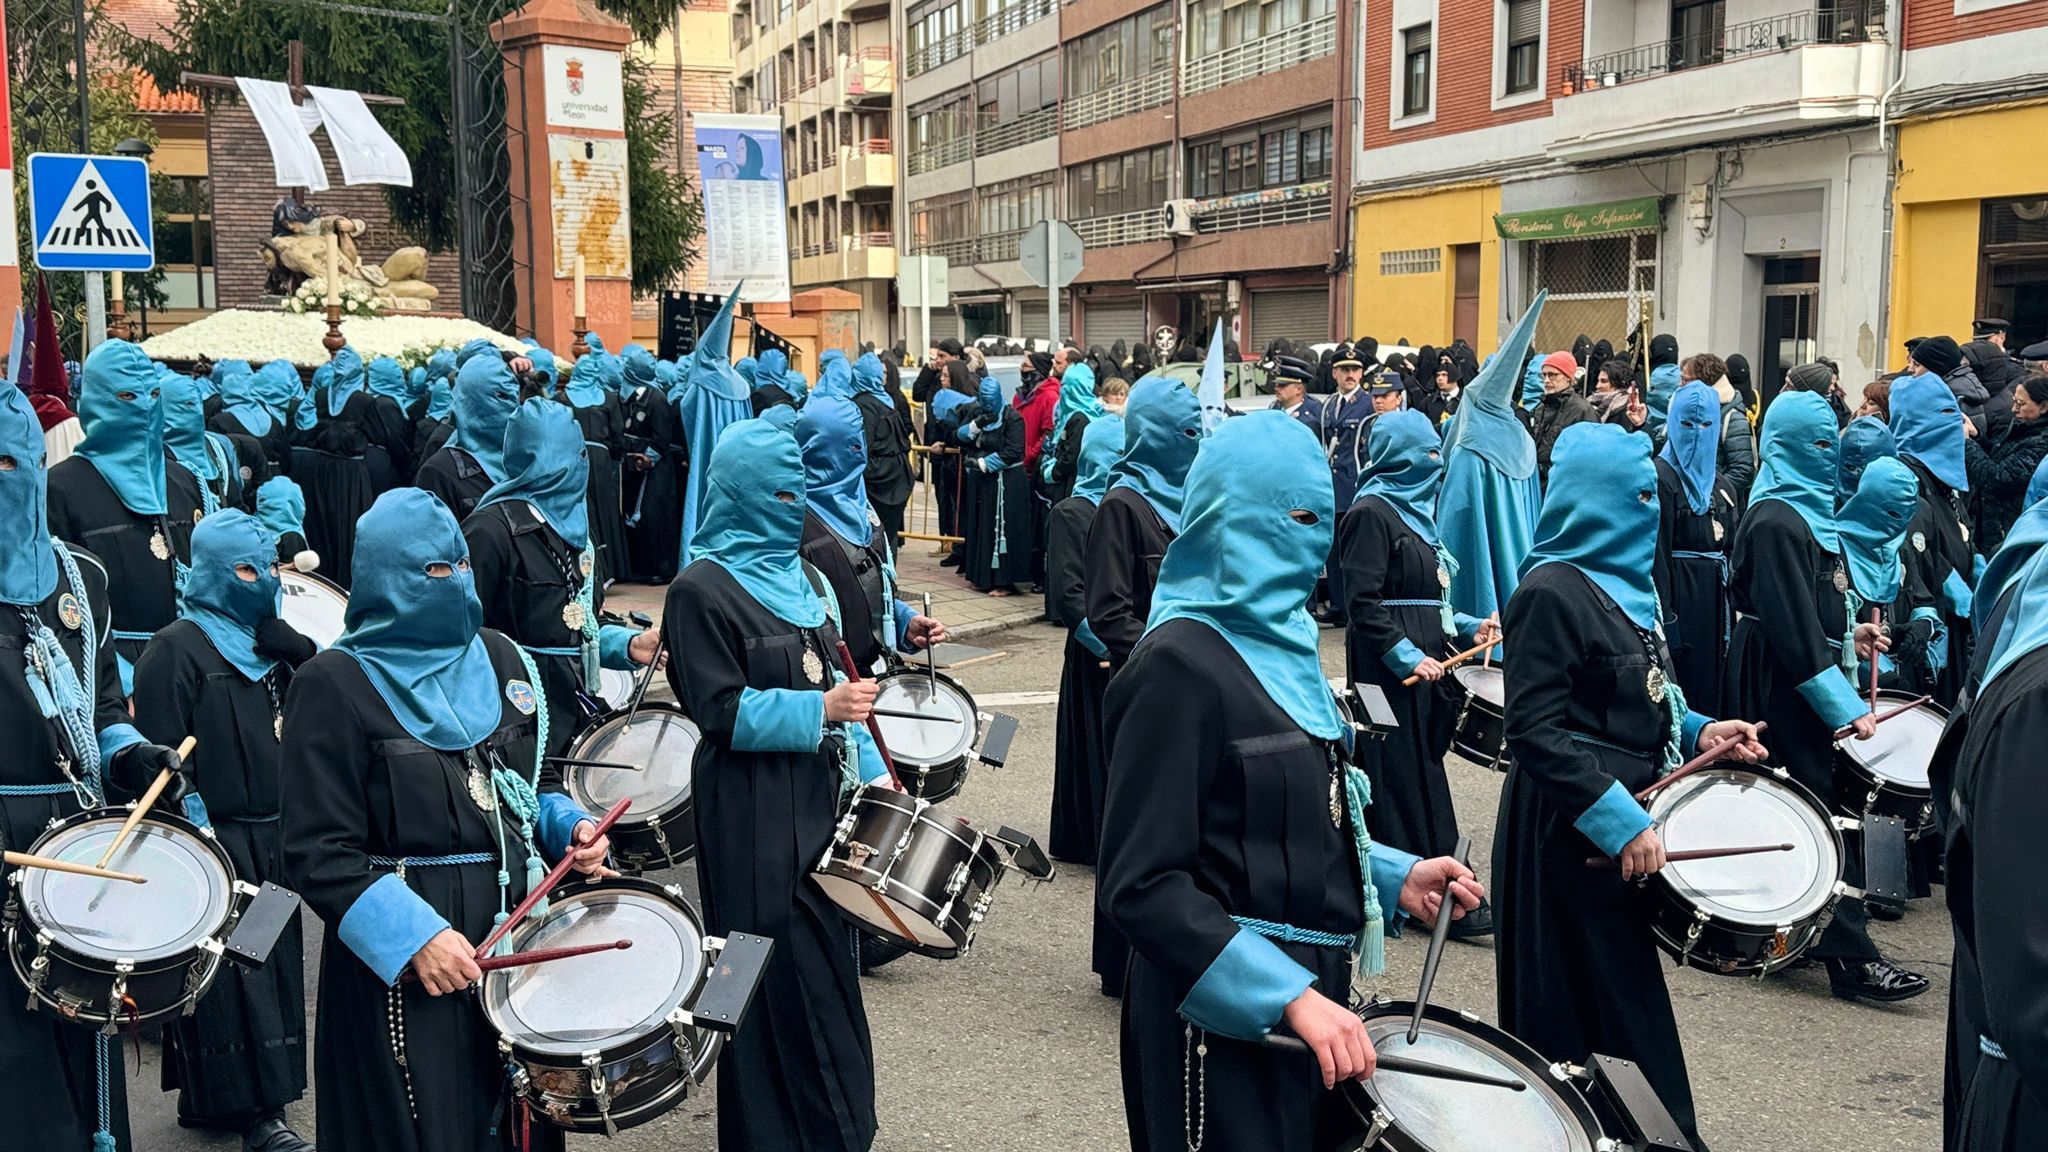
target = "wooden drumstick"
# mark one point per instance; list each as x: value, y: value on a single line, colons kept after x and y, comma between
x: 553, y: 878
x: 1286, y: 1043
x: 1711, y: 755
x: 874, y: 725
x: 1848, y: 730
x: 51, y: 863
x: 1877, y: 618
x: 1686, y: 854
x: 1460, y: 658
x: 1439, y: 933
x: 142, y: 806
x: 533, y: 956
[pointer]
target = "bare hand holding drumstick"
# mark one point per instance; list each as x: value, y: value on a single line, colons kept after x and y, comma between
x: 1335, y: 1034
x: 446, y: 963
x: 589, y: 853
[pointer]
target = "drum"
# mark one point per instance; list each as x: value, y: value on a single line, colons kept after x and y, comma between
x: 660, y: 829
x: 1400, y: 1112
x: 901, y: 868
x: 605, y: 1041
x: 108, y: 953
x: 615, y: 687
x: 313, y: 606
x: 931, y: 755
x: 1887, y: 774
x: 1481, y: 734
x: 1743, y: 915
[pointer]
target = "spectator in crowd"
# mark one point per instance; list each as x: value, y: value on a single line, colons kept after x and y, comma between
x: 1736, y: 463
x: 2001, y: 463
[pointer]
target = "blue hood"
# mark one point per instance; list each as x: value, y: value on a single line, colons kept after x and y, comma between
x: 281, y: 506
x: 835, y: 450
x: 752, y: 533
x: 637, y: 370
x: 1486, y: 422
x: 1693, y: 442
x: 418, y: 637
x: 1864, y: 440
x: 185, y: 424
x: 1799, y: 464
x: 28, y: 565
x: 835, y: 378
x: 770, y: 367
x: 1928, y: 424
x: 1405, y: 469
x: 586, y: 381
x: 545, y: 467
x: 347, y: 379
x: 709, y: 369
x: 241, y: 395
x: 748, y: 368
x: 1077, y: 398
x: 868, y: 375
x: 2037, y: 488
x: 989, y: 394
x: 1663, y: 386
x: 1162, y: 433
x: 124, y: 438
x: 1873, y: 525
x: 668, y: 378
x: 389, y: 379
x: 1101, y: 443
x: 474, y: 348
x: 485, y: 395
x: 545, y: 367
x: 441, y: 364
x: 224, y: 606
x: 2025, y: 626
x: 1600, y: 515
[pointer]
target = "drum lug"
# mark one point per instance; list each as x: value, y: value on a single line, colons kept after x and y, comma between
x: 1846, y: 823
x: 957, y: 882
x: 1380, y: 1123
x: 38, y: 970
x: 682, y: 1026
x: 600, y: 1092
x: 118, y: 992
x: 661, y: 840
x: 676, y: 891
x: 713, y: 945
x: 844, y: 828
x: 1843, y: 890
x: 1563, y: 1071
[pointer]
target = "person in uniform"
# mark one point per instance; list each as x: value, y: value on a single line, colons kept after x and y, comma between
x: 1486, y: 513
x: 647, y: 485
x: 1873, y: 527
x: 71, y: 747
x: 417, y: 812
x: 531, y: 553
x: 1697, y: 514
x: 220, y: 673
x: 995, y: 496
x: 1235, y: 855
x: 1397, y: 574
x: 1928, y: 423
x: 1594, y: 715
x: 776, y: 760
x: 592, y: 394
x: 1080, y: 765
x: 473, y: 459
x: 240, y: 414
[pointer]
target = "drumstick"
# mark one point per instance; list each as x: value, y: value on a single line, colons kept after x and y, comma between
x: 142, y: 806
x: 1846, y: 731
x: 1438, y: 934
x: 580, y: 762
x: 1460, y: 658
x: 1404, y: 1065
x: 1684, y: 855
x: 874, y: 725
x: 51, y: 863
x: 532, y: 956
x: 553, y: 878
x: 646, y: 678
x: 927, y: 717
x: 1711, y: 755
x: 931, y: 651
x: 1877, y: 618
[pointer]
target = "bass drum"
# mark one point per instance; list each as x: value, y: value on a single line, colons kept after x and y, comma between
x: 315, y: 607
x: 660, y: 829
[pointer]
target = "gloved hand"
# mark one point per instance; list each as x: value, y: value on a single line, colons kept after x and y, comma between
x: 281, y: 642
x: 137, y: 767
x: 990, y: 464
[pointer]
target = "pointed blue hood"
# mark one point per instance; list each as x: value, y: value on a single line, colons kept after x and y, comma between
x: 1927, y: 421
x: 28, y: 565
x: 709, y: 368
x: 224, y: 606
x: 749, y: 530
x: 1486, y: 422
x: 835, y: 450
x: 349, y: 377
x: 1102, y: 443
x: 1406, y: 467
x: 1600, y: 515
x: 1864, y: 440
x: 545, y: 467
x: 1798, y: 463
x: 185, y: 424
x: 1162, y: 433
x: 711, y: 398
x: 121, y: 407
x: 1693, y: 441
x: 485, y: 395
x: 1873, y: 525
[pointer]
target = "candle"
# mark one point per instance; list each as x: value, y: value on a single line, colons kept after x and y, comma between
x: 117, y: 285
x: 333, y: 270
x: 578, y: 309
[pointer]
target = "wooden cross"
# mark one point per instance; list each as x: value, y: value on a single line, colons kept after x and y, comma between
x: 295, y: 78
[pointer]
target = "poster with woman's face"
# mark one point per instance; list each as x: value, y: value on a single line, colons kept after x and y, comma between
x: 739, y: 161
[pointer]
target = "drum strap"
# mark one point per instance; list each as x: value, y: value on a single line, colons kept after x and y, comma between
x: 66, y: 693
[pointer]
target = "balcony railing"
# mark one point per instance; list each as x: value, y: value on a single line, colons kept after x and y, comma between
x: 942, y: 51
x: 940, y: 155
x: 1851, y: 23
x: 1270, y: 208
x: 831, y: 156
x: 1128, y: 228
x: 1012, y: 18
x: 861, y: 240
x: 1119, y: 99
x: 959, y: 251
x: 991, y: 138
x: 879, y: 146
x: 1300, y: 44
x: 871, y: 72
x: 990, y: 247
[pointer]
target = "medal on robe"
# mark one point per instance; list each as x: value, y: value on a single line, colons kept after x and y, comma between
x: 1654, y: 683
x: 1841, y: 580
x: 1964, y: 529
x: 1336, y: 805
x: 573, y: 616
x: 69, y: 612
x: 814, y: 668
x: 1719, y: 531
x: 197, y: 515
x: 584, y: 561
x: 1919, y: 541
x: 1443, y: 577
x: 158, y: 546
x: 277, y: 725
x: 480, y: 791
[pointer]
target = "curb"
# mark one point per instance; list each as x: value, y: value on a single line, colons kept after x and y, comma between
x: 999, y: 624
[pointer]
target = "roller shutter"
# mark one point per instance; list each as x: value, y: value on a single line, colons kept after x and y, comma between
x: 1108, y: 321
x: 1299, y: 314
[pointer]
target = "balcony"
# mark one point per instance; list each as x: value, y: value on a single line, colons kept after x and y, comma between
x: 870, y: 76
x: 1270, y: 208
x: 1300, y: 44
x: 867, y: 166
x: 939, y: 52
x: 991, y: 137
x: 982, y: 31
x: 1128, y: 228
x: 960, y: 251
x: 1801, y: 71
x: 1120, y: 99
x: 942, y: 155
x: 863, y: 256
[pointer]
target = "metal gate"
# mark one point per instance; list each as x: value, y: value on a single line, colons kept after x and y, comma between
x: 1107, y: 321
x: 1298, y: 314
x: 483, y: 168
x: 1597, y: 287
x: 945, y: 325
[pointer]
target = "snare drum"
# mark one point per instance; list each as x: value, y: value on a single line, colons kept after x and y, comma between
x: 1481, y: 735
x: 605, y: 1041
x: 901, y: 868
x: 660, y: 829
x: 109, y: 953
x: 313, y: 606
x: 1752, y: 914
x: 615, y: 687
x: 1887, y: 774
x: 931, y: 756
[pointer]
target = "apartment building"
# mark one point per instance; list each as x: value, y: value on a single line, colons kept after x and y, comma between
x: 828, y: 69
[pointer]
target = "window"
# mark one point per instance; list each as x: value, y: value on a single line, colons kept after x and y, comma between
x: 807, y: 62
x: 1525, y: 47
x: 933, y: 126
x: 935, y: 34
x: 1113, y: 185
x: 1129, y: 49
x: 830, y: 223
x: 942, y: 219
x: 1411, y: 261
x: 1415, y: 53
x: 1214, y: 25
x: 1272, y: 155
x: 184, y: 240
x: 1020, y: 91
x: 1014, y: 205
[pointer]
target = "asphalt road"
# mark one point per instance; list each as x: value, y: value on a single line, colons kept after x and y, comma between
x: 1012, y: 1047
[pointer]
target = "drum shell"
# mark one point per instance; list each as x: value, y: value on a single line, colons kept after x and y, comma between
x: 308, y: 593
x: 1480, y: 733
x: 934, y: 865
x: 940, y: 780
x: 641, y: 841
x: 1859, y: 790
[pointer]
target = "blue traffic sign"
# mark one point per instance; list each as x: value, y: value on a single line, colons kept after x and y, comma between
x: 90, y: 213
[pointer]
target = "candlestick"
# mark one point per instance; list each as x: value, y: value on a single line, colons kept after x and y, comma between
x: 334, y: 341
x: 333, y: 270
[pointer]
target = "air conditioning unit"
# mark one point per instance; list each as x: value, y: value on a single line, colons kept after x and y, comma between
x: 1180, y: 217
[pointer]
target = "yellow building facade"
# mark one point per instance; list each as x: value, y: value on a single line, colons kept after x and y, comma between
x: 1427, y: 266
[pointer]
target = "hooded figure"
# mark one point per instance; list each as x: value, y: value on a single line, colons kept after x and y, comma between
x: 886, y: 424
x: 1865, y: 440
x: 1080, y: 760
x: 122, y: 498
x: 637, y: 371
x: 209, y: 456
x: 1491, y: 494
x: 415, y: 694
x: 389, y: 379
x: 715, y: 397
x: 771, y: 382
x: 359, y: 449
x: 1873, y: 526
x: 840, y: 537
x: 1078, y: 405
x: 1663, y: 380
x: 653, y: 464
x: 474, y: 457
x: 221, y: 673
x: 995, y: 495
x: 1927, y: 421
x: 1698, y: 512
x: 1234, y: 911
x: 769, y: 781
x: 1586, y: 658
x: 593, y: 394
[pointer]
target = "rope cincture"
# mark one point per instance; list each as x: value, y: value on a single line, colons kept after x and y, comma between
x: 520, y: 794
x: 586, y: 596
x: 66, y: 693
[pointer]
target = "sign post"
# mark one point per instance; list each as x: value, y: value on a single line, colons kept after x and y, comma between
x: 91, y: 214
x: 924, y: 283
x: 1051, y: 256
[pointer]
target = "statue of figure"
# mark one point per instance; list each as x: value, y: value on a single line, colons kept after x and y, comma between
x: 297, y: 248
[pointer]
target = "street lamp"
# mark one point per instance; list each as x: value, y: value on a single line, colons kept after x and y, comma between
x: 133, y: 149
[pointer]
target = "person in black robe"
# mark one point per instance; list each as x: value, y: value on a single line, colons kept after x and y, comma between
x: 473, y: 459
x: 1785, y: 659
x: 1397, y: 577
x: 531, y: 552
x: 416, y: 811
x: 1697, y: 515
x: 995, y: 497
x: 431, y: 422
x: 1594, y: 715
x: 777, y: 756
x: 1235, y: 854
x: 591, y: 392
x: 62, y: 1086
x: 121, y: 498
x: 1082, y: 398
x: 887, y: 426
x: 1138, y: 517
x: 250, y: 418
x: 220, y: 673
x: 952, y: 405
x: 1928, y: 424
x: 358, y: 446
x: 1080, y: 765
x: 650, y: 488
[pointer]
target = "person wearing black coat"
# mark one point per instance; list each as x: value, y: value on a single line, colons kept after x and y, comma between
x: 1560, y: 408
x: 2002, y: 462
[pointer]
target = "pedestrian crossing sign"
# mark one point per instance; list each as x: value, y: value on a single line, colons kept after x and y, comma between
x: 90, y: 213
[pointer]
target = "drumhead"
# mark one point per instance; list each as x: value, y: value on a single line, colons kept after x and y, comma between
x: 1447, y: 1116
x: 1904, y: 744
x: 943, y: 739
x: 660, y: 739
x: 1725, y: 808
x: 615, y: 686
x: 313, y: 606
x: 187, y: 898
x: 1486, y: 683
x: 566, y: 1007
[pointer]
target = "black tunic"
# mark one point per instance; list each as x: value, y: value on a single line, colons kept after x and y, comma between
x: 650, y: 490
x: 48, y: 1083
x: 1066, y: 458
x: 854, y: 574
x: 946, y: 472
x: 1218, y: 807
x: 888, y: 471
x: 242, y: 1054
x: 1385, y: 560
x: 1938, y: 544
x: 86, y: 511
x: 800, y: 1075
x: 274, y: 446
x: 1692, y: 585
x: 355, y: 456
x: 454, y: 477
x: 995, y: 507
x: 604, y: 441
x: 357, y: 785
x: 1079, y: 765
x: 1577, y: 966
x: 526, y: 575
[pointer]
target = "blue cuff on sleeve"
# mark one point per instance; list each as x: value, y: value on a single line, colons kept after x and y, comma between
x: 1977, y: 566
x: 1085, y: 633
x: 1689, y: 734
x: 1613, y: 820
x: 1833, y: 698
x: 779, y: 720
x: 1467, y: 624
x: 1403, y: 658
x: 1389, y: 872
x: 903, y: 613
x: 613, y: 640
x: 1245, y: 989
x: 559, y: 816
x: 387, y: 924
x: 115, y: 738
x: 868, y: 758
x: 1955, y: 591
x: 650, y: 453
x: 127, y: 671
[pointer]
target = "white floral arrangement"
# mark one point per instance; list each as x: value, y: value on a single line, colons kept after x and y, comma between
x: 257, y: 337
x: 356, y: 297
